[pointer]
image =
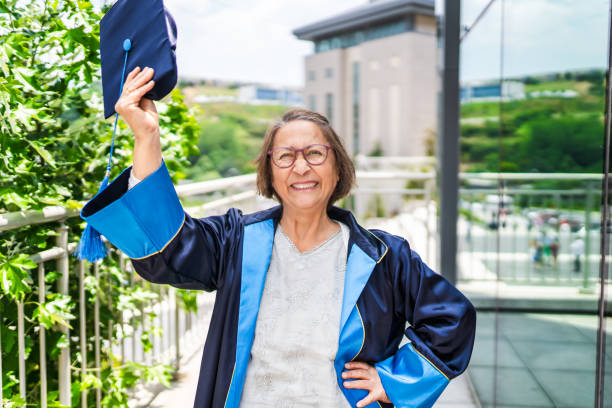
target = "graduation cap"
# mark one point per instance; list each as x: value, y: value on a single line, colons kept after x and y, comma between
x: 137, y: 33
x: 132, y: 33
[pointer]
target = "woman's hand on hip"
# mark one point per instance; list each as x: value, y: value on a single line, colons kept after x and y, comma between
x: 139, y: 112
x: 364, y: 377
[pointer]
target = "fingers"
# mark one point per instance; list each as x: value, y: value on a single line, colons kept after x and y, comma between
x: 357, y: 364
x: 357, y: 373
x: 137, y: 84
x: 140, y: 92
x: 366, y: 378
x: 370, y: 398
x: 132, y: 74
x: 359, y: 384
x: 137, y: 79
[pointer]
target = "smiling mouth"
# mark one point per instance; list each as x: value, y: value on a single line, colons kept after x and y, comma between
x: 304, y: 186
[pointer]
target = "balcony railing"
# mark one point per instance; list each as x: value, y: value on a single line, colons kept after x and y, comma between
x: 181, y: 332
x: 381, y: 196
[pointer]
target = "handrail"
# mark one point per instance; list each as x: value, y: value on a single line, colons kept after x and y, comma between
x: 203, y: 187
x: 18, y: 219
x: 531, y: 176
x: 13, y: 220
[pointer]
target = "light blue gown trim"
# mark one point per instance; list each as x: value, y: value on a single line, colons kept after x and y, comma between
x: 256, y: 253
x: 410, y: 380
x: 359, y: 267
x: 143, y: 220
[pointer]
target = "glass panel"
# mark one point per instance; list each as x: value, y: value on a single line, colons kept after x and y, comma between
x: 532, y: 103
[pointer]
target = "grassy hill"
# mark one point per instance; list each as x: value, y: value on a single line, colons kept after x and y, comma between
x: 538, y: 134
x: 231, y: 134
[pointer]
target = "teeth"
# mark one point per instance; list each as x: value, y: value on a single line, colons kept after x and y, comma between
x: 304, y: 186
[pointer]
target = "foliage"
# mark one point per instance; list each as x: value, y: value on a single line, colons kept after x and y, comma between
x: 54, y: 144
x: 230, y: 138
x: 538, y: 134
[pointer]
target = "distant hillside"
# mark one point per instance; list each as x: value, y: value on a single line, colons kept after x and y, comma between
x: 231, y: 134
x: 538, y: 134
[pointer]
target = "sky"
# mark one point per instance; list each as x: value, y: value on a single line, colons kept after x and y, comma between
x: 252, y: 40
x: 540, y: 36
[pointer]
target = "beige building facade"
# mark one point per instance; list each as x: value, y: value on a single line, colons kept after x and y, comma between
x: 373, y: 74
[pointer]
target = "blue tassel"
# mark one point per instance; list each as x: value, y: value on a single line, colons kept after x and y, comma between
x: 91, y: 247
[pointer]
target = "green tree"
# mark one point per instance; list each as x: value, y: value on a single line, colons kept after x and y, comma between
x: 567, y: 144
x: 54, y: 143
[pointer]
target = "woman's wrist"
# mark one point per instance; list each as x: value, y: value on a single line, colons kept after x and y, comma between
x: 147, y: 136
x: 147, y: 154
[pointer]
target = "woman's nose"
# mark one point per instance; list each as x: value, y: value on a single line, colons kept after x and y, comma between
x: 301, y: 166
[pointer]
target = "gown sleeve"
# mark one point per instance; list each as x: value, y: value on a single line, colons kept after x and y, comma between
x: 441, y: 333
x: 166, y: 245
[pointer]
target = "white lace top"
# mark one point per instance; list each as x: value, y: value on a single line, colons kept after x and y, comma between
x: 296, y: 336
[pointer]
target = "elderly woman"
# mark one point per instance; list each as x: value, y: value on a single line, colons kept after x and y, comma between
x: 310, y: 307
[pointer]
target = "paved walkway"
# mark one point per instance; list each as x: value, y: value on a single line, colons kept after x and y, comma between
x: 536, y: 360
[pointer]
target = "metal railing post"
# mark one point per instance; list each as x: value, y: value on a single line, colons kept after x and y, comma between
x: 587, y: 236
x: 62, y: 288
x: 97, y: 335
x: 428, y: 189
x: 83, y: 330
x: 21, y: 350
x: 132, y: 315
x: 177, y: 347
x: 42, y: 339
x: 122, y: 322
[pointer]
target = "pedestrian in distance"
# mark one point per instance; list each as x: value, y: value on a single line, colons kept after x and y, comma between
x: 577, y: 249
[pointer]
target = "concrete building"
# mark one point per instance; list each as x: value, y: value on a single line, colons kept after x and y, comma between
x: 373, y: 74
x: 491, y: 91
x: 258, y: 95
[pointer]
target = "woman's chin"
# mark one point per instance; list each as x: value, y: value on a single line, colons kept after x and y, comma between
x: 306, y: 204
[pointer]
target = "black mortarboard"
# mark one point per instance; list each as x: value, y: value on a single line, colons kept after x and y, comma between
x: 132, y: 33
x: 151, y: 32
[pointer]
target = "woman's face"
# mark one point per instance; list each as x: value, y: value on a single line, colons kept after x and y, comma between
x: 302, y: 186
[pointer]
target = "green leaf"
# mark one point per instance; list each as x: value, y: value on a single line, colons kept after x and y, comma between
x: 14, y: 277
x: 90, y: 381
x: 55, y: 312
x: 46, y: 156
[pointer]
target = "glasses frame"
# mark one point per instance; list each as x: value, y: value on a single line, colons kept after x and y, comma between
x: 296, y: 151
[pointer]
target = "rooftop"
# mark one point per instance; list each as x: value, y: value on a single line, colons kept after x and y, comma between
x: 368, y: 14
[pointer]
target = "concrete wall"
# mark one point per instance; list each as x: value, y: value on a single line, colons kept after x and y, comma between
x: 398, y: 90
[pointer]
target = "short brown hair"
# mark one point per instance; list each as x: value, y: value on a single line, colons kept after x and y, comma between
x: 344, y: 164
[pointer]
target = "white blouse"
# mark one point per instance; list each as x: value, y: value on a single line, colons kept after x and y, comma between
x: 296, y: 336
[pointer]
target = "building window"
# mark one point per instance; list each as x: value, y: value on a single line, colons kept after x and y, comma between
x: 312, y: 75
x: 356, y: 37
x: 329, y: 107
x: 356, y: 108
x: 329, y: 73
x: 312, y: 102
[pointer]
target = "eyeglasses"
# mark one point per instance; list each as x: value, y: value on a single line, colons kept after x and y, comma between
x: 314, y: 154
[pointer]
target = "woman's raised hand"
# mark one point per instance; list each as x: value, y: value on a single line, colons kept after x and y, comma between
x: 365, y: 378
x: 139, y: 112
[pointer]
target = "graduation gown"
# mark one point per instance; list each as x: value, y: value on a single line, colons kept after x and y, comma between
x: 386, y: 285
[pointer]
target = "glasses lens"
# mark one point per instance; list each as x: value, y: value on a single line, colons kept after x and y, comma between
x: 316, y: 154
x: 283, y: 157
